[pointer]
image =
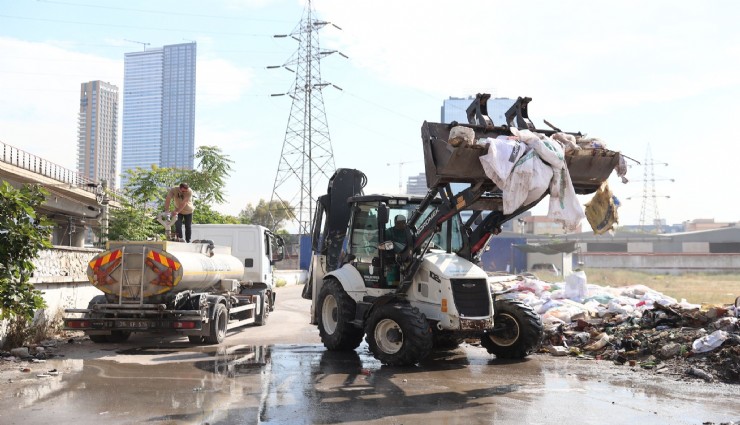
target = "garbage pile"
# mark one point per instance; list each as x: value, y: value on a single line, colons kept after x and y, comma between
x: 632, y: 325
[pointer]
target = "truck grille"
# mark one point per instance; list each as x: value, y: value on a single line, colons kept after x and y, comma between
x: 472, y: 297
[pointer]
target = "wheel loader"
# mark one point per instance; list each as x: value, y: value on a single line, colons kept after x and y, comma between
x: 426, y: 290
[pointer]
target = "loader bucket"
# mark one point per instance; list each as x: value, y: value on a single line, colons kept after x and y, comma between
x: 444, y: 163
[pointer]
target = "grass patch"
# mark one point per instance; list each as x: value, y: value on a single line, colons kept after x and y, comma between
x: 697, y: 288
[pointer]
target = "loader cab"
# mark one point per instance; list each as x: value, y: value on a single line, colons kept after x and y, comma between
x: 374, y: 239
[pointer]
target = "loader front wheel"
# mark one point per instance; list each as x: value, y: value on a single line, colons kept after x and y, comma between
x: 398, y: 334
x: 218, y: 325
x: 336, y: 311
x: 516, y: 333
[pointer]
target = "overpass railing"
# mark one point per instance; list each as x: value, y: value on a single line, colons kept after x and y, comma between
x: 30, y: 162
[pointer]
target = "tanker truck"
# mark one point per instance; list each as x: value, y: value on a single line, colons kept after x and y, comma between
x: 195, y: 289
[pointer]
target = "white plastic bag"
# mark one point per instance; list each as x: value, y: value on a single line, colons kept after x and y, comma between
x: 709, y: 342
x: 576, y: 286
x: 502, y: 154
x: 565, y: 207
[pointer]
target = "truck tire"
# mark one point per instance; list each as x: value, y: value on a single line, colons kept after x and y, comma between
x: 517, y: 330
x: 398, y: 334
x: 118, y: 336
x: 336, y: 311
x: 98, y: 299
x: 261, y: 318
x: 218, y: 325
x: 99, y: 339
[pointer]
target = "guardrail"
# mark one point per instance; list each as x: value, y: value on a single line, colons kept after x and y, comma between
x: 30, y: 162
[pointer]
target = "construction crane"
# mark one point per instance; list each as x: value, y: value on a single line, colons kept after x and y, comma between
x: 137, y: 42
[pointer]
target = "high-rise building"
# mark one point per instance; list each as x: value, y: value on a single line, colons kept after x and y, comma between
x: 159, y: 108
x: 97, y: 135
x: 455, y: 109
x: 417, y: 185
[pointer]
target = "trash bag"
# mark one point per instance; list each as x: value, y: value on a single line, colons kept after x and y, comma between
x: 601, y: 210
x: 502, y: 154
x: 576, y: 286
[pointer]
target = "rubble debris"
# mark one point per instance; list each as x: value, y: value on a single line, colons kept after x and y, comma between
x: 633, y: 325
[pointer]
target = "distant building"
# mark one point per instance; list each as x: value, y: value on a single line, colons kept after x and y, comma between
x: 454, y: 109
x: 159, y: 108
x: 417, y: 185
x: 705, y: 224
x: 97, y: 135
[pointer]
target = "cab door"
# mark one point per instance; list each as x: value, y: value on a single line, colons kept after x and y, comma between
x: 363, y: 244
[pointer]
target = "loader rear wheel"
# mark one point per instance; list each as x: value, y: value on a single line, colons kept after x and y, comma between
x: 336, y: 311
x: 398, y: 334
x: 516, y: 333
x: 218, y: 325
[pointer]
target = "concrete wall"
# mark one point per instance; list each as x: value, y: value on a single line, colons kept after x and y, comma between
x: 61, y: 274
x: 664, y: 263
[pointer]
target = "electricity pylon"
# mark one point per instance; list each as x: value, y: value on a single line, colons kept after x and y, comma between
x: 307, y: 159
x: 649, y: 213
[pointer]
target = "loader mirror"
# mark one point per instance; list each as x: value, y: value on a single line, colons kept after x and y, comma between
x: 383, y: 214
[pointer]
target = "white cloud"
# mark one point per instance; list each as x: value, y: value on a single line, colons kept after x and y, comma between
x: 40, y: 86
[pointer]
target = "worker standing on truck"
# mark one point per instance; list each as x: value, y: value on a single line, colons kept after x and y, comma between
x: 183, y: 197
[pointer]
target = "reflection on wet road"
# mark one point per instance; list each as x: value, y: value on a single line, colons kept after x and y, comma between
x: 305, y: 384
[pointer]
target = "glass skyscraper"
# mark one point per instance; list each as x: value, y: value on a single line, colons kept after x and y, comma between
x: 159, y: 108
x: 97, y: 135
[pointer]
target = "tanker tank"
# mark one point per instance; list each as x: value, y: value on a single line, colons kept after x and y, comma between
x: 142, y: 269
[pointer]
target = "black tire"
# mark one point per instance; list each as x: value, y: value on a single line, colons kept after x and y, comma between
x: 118, y: 336
x: 98, y: 299
x: 517, y: 330
x: 398, y: 334
x: 195, y: 339
x: 99, y: 339
x: 218, y: 325
x: 446, y: 341
x: 261, y: 318
x: 335, y: 312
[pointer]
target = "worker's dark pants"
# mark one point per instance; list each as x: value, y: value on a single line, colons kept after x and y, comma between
x: 188, y: 220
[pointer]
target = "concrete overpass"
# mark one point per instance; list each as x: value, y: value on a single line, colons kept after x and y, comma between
x: 75, y: 203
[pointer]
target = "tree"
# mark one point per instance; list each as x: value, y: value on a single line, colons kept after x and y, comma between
x: 23, y: 233
x: 147, y: 189
x: 272, y: 215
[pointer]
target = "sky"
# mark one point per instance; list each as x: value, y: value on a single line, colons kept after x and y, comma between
x: 656, y: 80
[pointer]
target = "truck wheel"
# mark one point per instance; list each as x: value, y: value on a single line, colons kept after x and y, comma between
x: 516, y: 333
x: 398, y: 334
x: 118, y: 336
x: 336, y: 311
x: 98, y: 299
x: 261, y: 319
x: 218, y: 325
x: 99, y: 339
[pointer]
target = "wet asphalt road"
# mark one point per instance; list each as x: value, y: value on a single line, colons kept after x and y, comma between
x: 281, y: 374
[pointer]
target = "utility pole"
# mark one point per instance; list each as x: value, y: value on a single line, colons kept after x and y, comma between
x: 307, y: 160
